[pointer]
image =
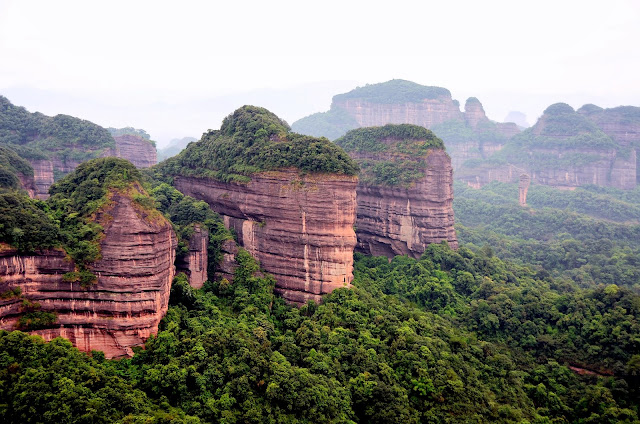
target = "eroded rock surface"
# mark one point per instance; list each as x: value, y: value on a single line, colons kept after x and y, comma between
x: 123, y: 308
x: 403, y: 221
x: 299, y: 227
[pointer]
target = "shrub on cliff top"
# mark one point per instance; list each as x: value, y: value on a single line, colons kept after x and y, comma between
x: 394, y: 91
x: 251, y: 140
x: 400, y: 149
x: 77, y: 197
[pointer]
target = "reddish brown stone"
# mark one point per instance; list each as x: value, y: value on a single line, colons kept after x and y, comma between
x: 403, y: 221
x: 300, y: 227
x: 126, y: 304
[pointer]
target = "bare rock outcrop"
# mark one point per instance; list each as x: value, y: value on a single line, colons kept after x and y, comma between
x: 122, y: 309
x: 523, y: 188
x: 405, y: 190
x: 137, y: 150
x: 567, y: 149
x: 300, y: 227
x: 194, y: 264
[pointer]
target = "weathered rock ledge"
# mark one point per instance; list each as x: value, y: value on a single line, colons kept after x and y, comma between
x: 300, y: 227
x: 394, y: 220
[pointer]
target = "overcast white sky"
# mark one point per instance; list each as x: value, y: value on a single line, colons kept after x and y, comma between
x: 177, y: 68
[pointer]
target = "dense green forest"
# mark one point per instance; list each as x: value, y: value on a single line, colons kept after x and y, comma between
x: 251, y: 140
x: 12, y: 167
x: 502, y: 330
x: 392, y: 155
x: 454, y: 337
x: 590, y: 235
x: 37, y: 136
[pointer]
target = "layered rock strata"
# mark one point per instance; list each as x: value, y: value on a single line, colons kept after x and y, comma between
x: 123, y: 308
x: 426, y: 113
x: 395, y: 220
x: 523, y: 188
x: 137, y: 150
x: 194, y: 264
x: 300, y: 227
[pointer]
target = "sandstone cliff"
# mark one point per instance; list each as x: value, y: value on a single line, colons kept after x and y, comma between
x: 290, y: 199
x: 135, y: 149
x: 122, y: 309
x: 300, y: 228
x: 405, y: 193
x: 111, y: 288
x: 194, y: 263
x: 403, y: 221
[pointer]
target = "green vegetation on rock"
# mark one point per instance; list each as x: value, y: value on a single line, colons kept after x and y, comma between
x: 390, y: 155
x: 590, y: 235
x: 458, y: 337
x: 11, y: 167
x: 37, y: 136
x: 252, y: 140
x: 394, y: 91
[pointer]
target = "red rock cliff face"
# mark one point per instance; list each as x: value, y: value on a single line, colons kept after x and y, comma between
x: 426, y: 114
x: 126, y: 304
x: 136, y: 150
x: 299, y: 228
x: 194, y: 264
x: 403, y: 221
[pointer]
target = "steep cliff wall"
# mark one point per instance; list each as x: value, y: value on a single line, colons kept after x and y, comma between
x: 405, y: 190
x: 426, y: 113
x: 117, y: 312
x: 403, y: 221
x: 194, y: 263
x: 140, y: 152
x: 300, y: 228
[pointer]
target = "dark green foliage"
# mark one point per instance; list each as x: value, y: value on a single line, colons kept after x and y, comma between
x: 457, y: 337
x: 11, y: 166
x: 185, y: 212
x: 53, y: 382
x: 394, y: 91
x: 573, y: 234
x: 25, y: 224
x: 403, y: 138
x: 400, y: 152
x: 332, y: 124
x: 36, y: 136
x: 251, y: 140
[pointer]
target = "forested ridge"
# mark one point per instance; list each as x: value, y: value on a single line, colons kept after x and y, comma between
x: 37, y: 136
x: 252, y: 140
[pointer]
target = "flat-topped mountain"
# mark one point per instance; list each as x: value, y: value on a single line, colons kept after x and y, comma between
x: 54, y: 146
x: 568, y: 148
x: 469, y: 134
x: 405, y: 191
x: 290, y: 198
